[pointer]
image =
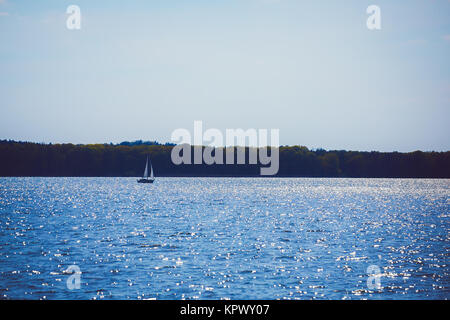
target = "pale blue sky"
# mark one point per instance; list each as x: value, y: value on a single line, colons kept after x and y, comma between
x: 140, y: 69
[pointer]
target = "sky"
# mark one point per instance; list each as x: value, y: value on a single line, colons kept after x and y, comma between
x: 312, y: 69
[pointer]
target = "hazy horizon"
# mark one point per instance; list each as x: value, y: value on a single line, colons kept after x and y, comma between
x: 138, y: 71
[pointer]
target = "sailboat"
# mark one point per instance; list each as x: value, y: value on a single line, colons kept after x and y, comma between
x: 146, y: 178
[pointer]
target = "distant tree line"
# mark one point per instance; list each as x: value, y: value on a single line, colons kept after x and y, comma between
x: 128, y: 159
x: 140, y: 143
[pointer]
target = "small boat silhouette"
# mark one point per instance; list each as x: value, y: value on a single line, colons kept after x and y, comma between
x: 146, y: 178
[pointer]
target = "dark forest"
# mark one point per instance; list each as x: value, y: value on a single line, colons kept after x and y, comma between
x: 128, y: 159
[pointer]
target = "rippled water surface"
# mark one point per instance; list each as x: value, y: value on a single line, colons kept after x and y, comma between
x: 224, y: 238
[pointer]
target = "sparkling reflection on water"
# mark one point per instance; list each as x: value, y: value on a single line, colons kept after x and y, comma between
x: 224, y: 238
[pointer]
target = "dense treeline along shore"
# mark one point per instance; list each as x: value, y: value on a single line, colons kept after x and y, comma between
x: 127, y: 159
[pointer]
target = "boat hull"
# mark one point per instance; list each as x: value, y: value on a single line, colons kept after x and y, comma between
x: 145, y: 181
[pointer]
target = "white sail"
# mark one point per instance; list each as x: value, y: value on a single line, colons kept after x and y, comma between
x: 151, y: 172
x: 146, y: 169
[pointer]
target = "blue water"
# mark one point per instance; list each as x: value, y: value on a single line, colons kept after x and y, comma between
x: 224, y: 238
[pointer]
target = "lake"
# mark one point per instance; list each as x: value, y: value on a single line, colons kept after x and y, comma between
x: 224, y: 238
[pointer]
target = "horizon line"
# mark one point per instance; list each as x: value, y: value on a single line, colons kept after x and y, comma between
x: 150, y: 143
